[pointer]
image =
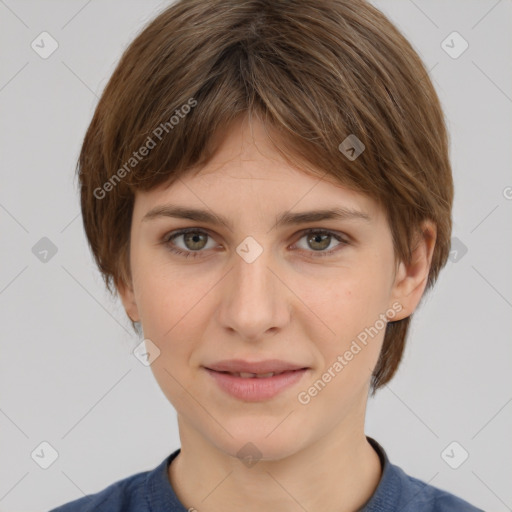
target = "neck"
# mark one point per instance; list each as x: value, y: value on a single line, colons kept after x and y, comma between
x: 338, y: 472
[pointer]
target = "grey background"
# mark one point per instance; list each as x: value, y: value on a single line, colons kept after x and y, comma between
x: 67, y: 374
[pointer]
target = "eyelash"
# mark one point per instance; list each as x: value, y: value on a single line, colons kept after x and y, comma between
x: 194, y: 254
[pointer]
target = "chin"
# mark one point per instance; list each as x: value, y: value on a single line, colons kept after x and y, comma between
x: 261, y: 441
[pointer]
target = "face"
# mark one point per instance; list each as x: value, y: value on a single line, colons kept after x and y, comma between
x: 303, y: 292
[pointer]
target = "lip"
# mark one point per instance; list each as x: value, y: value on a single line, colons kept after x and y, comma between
x: 266, y: 366
x: 255, y: 389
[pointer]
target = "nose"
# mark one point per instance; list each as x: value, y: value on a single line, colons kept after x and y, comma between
x: 255, y: 302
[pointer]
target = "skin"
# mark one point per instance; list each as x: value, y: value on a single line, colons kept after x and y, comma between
x: 288, y: 304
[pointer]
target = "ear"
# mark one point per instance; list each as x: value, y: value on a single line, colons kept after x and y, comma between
x: 411, y: 279
x: 125, y: 290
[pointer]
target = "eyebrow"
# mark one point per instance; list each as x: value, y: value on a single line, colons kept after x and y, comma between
x: 284, y: 219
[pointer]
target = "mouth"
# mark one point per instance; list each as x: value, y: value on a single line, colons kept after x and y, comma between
x: 247, y: 375
x: 254, y: 368
x: 256, y: 387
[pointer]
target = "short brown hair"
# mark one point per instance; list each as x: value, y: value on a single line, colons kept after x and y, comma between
x: 316, y: 71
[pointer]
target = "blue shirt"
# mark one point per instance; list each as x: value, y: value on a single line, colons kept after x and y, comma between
x: 151, y: 491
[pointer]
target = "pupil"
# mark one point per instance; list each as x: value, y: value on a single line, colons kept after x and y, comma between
x: 193, y: 239
x: 317, y: 238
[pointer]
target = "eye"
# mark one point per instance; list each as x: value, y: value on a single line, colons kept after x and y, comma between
x: 195, y: 240
x: 320, y: 239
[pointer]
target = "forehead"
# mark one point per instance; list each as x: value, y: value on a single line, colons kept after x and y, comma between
x: 248, y: 176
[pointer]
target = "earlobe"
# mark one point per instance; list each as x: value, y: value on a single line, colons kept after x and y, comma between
x: 411, y: 278
x: 127, y: 296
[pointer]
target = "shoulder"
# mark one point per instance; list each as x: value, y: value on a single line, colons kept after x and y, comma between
x: 419, y: 495
x: 398, y: 491
x: 124, y: 495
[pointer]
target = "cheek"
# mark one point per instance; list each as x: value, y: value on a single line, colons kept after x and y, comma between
x: 349, y: 298
x: 172, y: 317
x: 164, y: 293
x: 350, y: 305
x: 173, y: 304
